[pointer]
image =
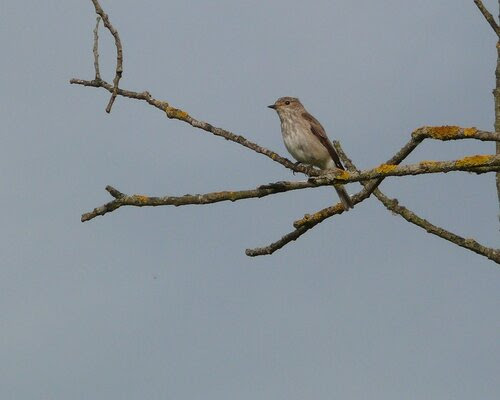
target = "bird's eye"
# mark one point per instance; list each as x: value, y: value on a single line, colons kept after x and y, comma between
x: 287, y: 103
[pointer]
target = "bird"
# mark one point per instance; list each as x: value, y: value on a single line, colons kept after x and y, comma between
x: 306, y: 140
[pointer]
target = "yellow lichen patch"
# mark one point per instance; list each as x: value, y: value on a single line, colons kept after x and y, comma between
x: 337, y: 208
x: 232, y: 196
x: 302, y: 221
x: 443, y: 132
x: 141, y: 198
x: 385, y: 168
x: 473, y: 161
x: 417, y: 132
x: 176, y: 113
x: 427, y: 163
x: 344, y: 175
x: 470, y: 131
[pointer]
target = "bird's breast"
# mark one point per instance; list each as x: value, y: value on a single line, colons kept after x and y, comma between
x: 302, y: 144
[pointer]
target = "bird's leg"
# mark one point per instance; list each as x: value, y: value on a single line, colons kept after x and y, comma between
x: 297, y: 164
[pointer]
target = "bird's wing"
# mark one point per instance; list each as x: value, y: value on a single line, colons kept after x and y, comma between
x: 320, y: 133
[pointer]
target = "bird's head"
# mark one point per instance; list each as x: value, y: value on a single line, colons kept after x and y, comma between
x: 286, y: 105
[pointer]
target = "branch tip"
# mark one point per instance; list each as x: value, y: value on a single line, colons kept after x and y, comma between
x: 119, y: 52
x: 114, y: 192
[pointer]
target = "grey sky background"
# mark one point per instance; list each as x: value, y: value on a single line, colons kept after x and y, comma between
x: 162, y: 303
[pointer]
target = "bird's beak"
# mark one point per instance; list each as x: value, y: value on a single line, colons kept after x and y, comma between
x: 272, y: 106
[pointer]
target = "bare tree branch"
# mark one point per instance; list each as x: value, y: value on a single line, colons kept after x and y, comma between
x: 320, y: 216
x: 455, y: 133
x: 496, y: 96
x: 396, y: 208
x: 486, y: 163
x: 119, y: 53
x: 496, y: 92
x: 477, y: 164
x: 467, y: 243
x: 95, y: 49
x: 487, y: 15
x: 270, y: 249
x: 138, y: 200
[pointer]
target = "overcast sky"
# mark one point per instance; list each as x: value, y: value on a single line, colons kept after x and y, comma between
x: 163, y: 303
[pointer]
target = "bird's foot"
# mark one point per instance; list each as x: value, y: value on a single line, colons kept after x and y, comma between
x: 297, y: 164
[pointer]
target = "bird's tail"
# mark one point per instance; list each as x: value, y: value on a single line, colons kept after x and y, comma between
x: 344, y: 197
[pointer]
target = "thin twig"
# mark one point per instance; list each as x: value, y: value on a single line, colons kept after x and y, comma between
x: 138, y: 200
x: 96, y: 49
x: 270, y: 249
x: 487, y: 15
x: 119, y: 53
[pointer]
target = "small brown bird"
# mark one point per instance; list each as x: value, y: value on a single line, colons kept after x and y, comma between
x: 306, y: 140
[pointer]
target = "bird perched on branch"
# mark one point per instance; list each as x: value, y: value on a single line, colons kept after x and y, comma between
x: 306, y: 140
